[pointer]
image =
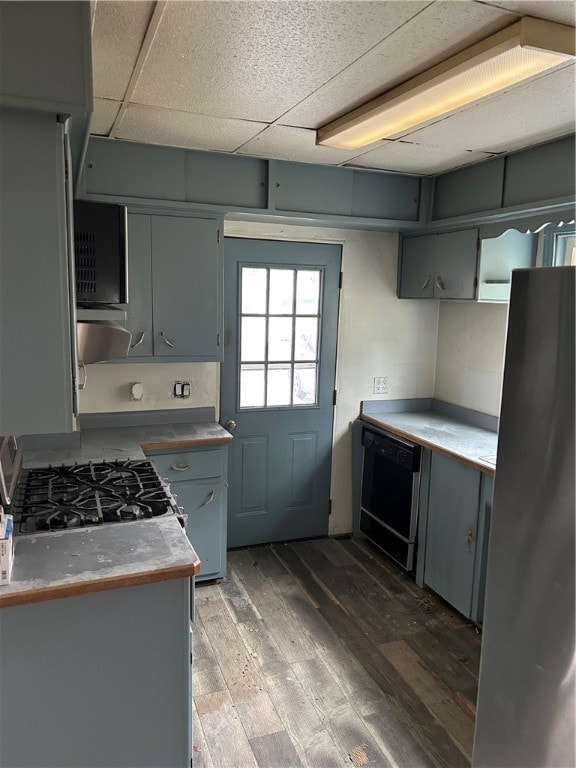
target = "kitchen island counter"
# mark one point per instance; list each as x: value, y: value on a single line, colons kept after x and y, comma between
x: 465, y: 442
x: 99, y: 558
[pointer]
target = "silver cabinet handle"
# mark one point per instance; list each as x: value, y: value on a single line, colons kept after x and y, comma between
x: 209, y: 500
x: 180, y: 469
x: 166, y: 339
x: 469, y: 538
x: 426, y: 283
x: 140, y: 340
x: 230, y: 425
x: 440, y: 283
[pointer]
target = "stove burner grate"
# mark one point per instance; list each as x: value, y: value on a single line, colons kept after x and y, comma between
x: 58, y: 498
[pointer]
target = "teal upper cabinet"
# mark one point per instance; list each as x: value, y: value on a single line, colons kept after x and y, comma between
x: 498, y: 257
x: 46, y: 56
x: 37, y: 390
x: 175, y: 288
x: 439, y: 266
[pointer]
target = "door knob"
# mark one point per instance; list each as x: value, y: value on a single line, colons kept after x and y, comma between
x: 230, y: 425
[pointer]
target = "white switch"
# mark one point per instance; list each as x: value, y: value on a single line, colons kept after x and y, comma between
x: 136, y: 391
x: 177, y: 389
x: 185, y: 389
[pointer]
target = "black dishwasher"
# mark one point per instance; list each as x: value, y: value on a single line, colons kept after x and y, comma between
x: 390, y: 491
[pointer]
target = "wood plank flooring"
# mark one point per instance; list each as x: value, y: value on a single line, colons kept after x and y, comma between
x: 323, y: 653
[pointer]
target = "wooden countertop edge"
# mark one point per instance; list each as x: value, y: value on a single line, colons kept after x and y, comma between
x: 381, y: 424
x: 197, y: 442
x: 98, y: 585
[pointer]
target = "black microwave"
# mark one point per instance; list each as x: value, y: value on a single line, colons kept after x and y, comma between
x: 100, y: 253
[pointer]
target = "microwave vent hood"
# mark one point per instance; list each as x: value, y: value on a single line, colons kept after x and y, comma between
x: 101, y: 340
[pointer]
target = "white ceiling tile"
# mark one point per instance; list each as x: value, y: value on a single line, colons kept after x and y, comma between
x: 407, y: 157
x: 441, y: 30
x: 184, y: 129
x: 255, y: 60
x: 281, y: 142
x: 118, y: 31
x: 562, y: 11
x: 105, y: 112
x: 529, y: 114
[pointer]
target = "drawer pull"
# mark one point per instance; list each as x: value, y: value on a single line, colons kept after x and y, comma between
x: 209, y: 500
x: 180, y: 469
x: 426, y: 283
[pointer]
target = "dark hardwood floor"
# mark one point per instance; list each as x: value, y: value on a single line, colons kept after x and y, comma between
x: 323, y: 653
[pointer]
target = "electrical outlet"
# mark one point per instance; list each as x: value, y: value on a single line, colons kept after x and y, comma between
x: 380, y: 385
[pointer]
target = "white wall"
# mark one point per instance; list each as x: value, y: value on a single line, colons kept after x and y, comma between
x: 108, y: 386
x: 378, y: 336
x: 470, y: 356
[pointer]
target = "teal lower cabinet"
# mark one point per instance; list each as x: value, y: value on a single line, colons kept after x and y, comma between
x: 101, y: 679
x: 199, y: 480
x: 455, y: 524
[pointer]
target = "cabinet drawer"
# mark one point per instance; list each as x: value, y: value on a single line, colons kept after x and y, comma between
x: 189, y: 465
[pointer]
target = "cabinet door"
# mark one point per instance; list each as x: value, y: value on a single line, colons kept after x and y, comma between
x: 139, y: 310
x: 417, y: 267
x: 203, y: 503
x: 484, y: 515
x: 36, y: 382
x: 451, y: 531
x: 187, y: 296
x: 456, y: 262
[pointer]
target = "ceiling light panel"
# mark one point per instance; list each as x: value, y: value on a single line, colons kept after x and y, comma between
x: 256, y: 60
x: 439, y: 31
x: 516, y: 54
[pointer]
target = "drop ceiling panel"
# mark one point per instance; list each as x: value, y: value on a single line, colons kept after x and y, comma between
x: 184, y: 129
x: 529, y: 114
x: 441, y: 30
x: 408, y: 157
x: 118, y: 32
x: 562, y: 11
x: 281, y: 142
x: 256, y: 60
x: 105, y: 112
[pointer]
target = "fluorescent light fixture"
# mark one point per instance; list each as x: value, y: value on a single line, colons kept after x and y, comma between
x: 514, y: 55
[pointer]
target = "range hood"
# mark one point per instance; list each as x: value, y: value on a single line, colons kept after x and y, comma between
x: 101, y: 340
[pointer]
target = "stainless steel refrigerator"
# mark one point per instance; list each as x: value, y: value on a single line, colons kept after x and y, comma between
x: 526, y: 709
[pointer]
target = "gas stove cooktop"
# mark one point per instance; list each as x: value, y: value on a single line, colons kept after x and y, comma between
x: 57, y: 498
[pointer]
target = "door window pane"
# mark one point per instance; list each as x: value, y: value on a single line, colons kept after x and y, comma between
x: 280, y: 338
x: 253, y: 339
x: 279, y: 391
x: 306, y: 338
x: 251, y: 386
x: 307, y: 292
x: 281, y: 291
x: 305, y: 384
x: 253, y: 291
